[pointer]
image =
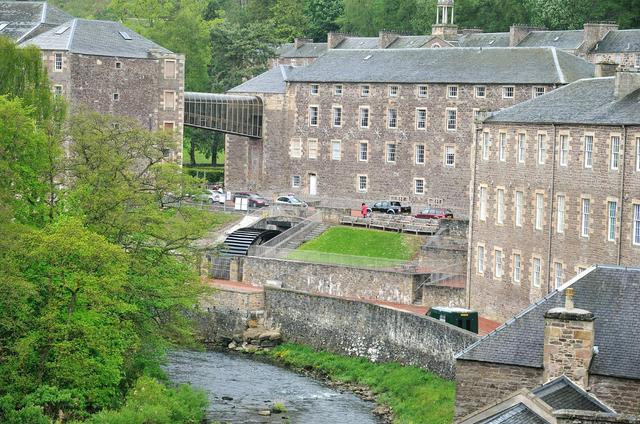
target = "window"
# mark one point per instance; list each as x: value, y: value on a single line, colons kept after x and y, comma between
x: 295, y: 148
x: 363, y: 153
x: 118, y: 65
x: 336, y: 150
x: 313, y: 116
x: 362, y: 183
x: 169, y: 100
x: 611, y: 230
x: 636, y: 224
x: 485, y: 146
x: 420, y: 154
x: 418, y: 185
x: 337, y: 116
x: 538, y: 91
x: 517, y: 265
x: 558, y: 269
x: 393, y: 90
x: 295, y: 181
x: 500, y: 205
x: 539, y: 210
x: 452, y: 119
x: 314, y: 89
x: 542, y: 148
x: 392, y: 118
x: 637, y: 153
x: 561, y: 213
x: 312, y: 150
x: 57, y: 90
x: 364, y: 117
x: 483, y: 203
x: 498, y: 270
x: 364, y: 90
x: 337, y: 90
x: 421, y: 119
x: 519, y: 204
x: 452, y: 91
x: 169, y: 68
x: 168, y: 126
x: 615, y: 152
x: 586, y: 205
x: 502, y: 147
x: 423, y: 91
x: 57, y: 62
x: 537, y: 269
x: 480, y: 259
x: 480, y: 91
x: 391, y: 152
x: 508, y: 92
x: 522, y: 142
x: 116, y: 98
x: 588, y: 151
x: 564, y: 150
x: 449, y: 156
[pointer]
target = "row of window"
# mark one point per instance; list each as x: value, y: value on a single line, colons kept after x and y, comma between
x: 518, y: 271
x: 362, y: 183
x: 170, y: 66
x: 295, y: 151
x: 364, y: 117
x: 393, y: 90
x: 564, y: 147
x: 561, y: 209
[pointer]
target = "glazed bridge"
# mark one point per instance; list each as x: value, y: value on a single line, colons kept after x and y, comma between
x: 239, y: 115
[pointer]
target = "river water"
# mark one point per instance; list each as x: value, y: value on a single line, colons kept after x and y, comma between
x: 239, y: 387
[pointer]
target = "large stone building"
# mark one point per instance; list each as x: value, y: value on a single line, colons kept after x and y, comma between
x: 21, y: 20
x: 365, y: 124
x: 593, y: 340
x: 556, y: 190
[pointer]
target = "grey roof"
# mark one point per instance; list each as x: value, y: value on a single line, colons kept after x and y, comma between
x: 306, y: 50
x: 101, y: 38
x: 627, y: 40
x: 562, y: 393
x: 588, y: 101
x: 25, y: 17
x: 358, y: 43
x: 272, y: 81
x: 611, y: 293
x: 484, y: 39
x: 410, y: 41
x: 517, y: 414
x: 458, y: 65
x: 566, y: 40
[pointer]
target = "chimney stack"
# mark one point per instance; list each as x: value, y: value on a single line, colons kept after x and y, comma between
x: 594, y: 33
x: 517, y: 33
x: 299, y: 42
x: 627, y: 81
x: 568, y: 342
x: 604, y: 69
x: 333, y: 39
x: 386, y: 38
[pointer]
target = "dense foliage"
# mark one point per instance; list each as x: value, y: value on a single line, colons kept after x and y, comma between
x: 97, y: 278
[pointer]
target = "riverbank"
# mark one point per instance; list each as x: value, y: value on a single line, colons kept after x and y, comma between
x: 413, y: 395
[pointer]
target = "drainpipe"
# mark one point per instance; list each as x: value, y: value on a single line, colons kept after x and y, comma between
x: 551, y: 203
x: 624, y: 162
x: 472, y: 197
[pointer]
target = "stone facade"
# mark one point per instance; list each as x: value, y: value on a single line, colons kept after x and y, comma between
x: 619, y: 393
x: 548, y: 239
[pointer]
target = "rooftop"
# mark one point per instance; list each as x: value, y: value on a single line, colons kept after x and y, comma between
x: 566, y: 40
x: 627, y: 40
x: 271, y: 82
x: 24, y: 18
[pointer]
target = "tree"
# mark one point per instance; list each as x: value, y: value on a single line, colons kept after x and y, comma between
x: 323, y: 17
x: 289, y: 20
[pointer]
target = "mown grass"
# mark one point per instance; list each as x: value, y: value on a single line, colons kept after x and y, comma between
x: 415, y: 395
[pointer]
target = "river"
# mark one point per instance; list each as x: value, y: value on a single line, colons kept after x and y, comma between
x: 239, y: 387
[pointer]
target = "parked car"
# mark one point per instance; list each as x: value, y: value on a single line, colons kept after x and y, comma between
x: 213, y: 196
x: 390, y: 206
x: 254, y: 200
x: 290, y: 200
x: 435, y: 213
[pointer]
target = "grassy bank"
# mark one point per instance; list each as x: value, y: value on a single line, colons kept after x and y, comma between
x: 416, y: 396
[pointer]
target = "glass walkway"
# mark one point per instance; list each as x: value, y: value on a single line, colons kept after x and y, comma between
x: 239, y: 115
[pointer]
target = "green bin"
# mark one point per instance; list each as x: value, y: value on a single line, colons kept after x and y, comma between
x: 460, y: 317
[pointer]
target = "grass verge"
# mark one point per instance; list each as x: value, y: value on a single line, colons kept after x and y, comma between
x: 415, y: 395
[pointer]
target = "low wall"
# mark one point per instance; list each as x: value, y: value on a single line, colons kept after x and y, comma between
x: 443, y: 296
x: 356, y: 328
x: 331, y: 279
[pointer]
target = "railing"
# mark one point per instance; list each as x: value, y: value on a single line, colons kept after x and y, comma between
x: 400, y: 223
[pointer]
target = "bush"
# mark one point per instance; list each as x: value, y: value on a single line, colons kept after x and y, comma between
x: 211, y: 175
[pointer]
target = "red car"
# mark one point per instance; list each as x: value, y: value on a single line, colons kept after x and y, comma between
x: 435, y: 213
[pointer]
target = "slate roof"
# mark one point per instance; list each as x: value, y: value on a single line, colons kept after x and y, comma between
x: 562, y: 393
x: 306, y: 50
x: 100, y: 38
x: 484, y: 39
x: 619, y: 41
x: 410, y: 41
x: 25, y: 17
x: 517, y: 414
x: 611, y: 293
x: 358, y: 43
x: 588, y: 101
x: 566, y: 40
x: 272, y: 81
x: 459, y: 65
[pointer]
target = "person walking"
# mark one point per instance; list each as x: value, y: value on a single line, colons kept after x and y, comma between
x: 363, y: 210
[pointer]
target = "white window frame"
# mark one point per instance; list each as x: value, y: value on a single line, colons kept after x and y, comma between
x: 424, y: 154
x: 390, y: 152
x: 615, y: 152
x: 482, y: 215
x: 296, y: 181
x: 517, y: 267
x: 476, y: 90
x: 359, y: 179
x: 58, y: 64
x: 536, y: 272
x: 539, y: 218
x: 336, y: 112
x: 500, y: 206
x: 612, y: 219
x: 423, y: 91
x: 542, y: 149
x: 314, y: 89
x: 295, y: 147
x: 559, y: 274
x: 365, y: 90
x: 337, y: 90
x: 418, y: 183
x: 499, y: 264
x: 502, y: 147
x: 636, y: 224
x: 480, y: 259
x: 363, y: 154
x: 561, y: 213
x: 394, y: 90
x: 486, y: 140
x: 449, y: 151
x: 361, y: 109
x: 564, y: 149
x: 315, y: 108
x: 588, y: 151
x: 519, y: 201
x: 452, y: 91
x: 174, y: 100
x: 166, y: 61
x: 448, y: 115
x: 522, y: 147
x: 638, y: 153
x: 57, y: 90
x: 506, y: 89
x: 585, y: 212
x: 419, y: 120
x: 335, y: 156
x: 392, y: 119
x: 312, y: 148
x: 535, y: 89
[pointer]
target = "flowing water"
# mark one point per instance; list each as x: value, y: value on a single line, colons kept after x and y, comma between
x: 239, y: 387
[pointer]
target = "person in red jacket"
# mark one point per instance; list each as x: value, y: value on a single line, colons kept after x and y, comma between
x: 363, y: 209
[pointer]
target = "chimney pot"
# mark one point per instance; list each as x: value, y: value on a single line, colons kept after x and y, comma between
x: 568, y: 299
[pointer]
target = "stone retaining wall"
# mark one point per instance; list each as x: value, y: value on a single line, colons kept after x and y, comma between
x: 357, y: 328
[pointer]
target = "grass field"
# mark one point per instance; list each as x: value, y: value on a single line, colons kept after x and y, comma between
x: 359, y: 247
x: 415, y: 395
x: 200, y: 158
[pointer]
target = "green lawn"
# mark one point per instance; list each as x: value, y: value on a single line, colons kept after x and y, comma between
x: 200, y: 158
x: 415, y: 395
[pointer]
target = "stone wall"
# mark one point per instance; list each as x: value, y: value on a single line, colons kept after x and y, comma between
x: 589, y: 417
x: 443, y: 296
x: 356, y: 328
x: 619, y: 393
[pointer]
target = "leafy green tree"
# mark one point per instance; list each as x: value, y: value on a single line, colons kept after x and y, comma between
x: 323, y: 17
x: 289, y: 19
